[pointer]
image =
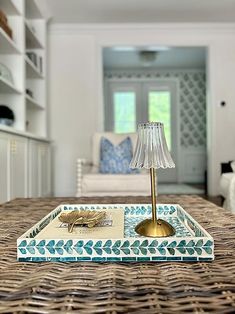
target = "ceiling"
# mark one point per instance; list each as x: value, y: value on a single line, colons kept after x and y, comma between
x: 139, y: 11
x: 174, y: 58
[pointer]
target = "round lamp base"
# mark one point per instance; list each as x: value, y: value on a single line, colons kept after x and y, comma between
x: 149, y: 228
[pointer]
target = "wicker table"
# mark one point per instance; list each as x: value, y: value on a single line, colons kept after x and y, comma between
x: 164, y: 287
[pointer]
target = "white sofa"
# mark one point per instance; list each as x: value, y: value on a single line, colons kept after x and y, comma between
x: 227, y: 190
x: 93, y: 183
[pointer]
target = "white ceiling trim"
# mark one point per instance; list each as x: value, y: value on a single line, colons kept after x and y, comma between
x: 154, y: 70
x: 65, y: 28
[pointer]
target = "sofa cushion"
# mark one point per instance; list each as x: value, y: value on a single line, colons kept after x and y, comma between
x: 115, y: 159
x: 225, y: 181
x: 118, y: 183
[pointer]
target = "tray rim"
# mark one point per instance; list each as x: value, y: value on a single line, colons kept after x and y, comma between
x: 195, y: 248
x: 24, y: 235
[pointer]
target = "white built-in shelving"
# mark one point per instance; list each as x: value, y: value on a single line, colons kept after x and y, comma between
x: 32, y: 72
x: 10, y: 7
x: 32, y: 40
x: 7, y: 87
x: 7, y: 46
x: 25, y: 56
x: 32, y: 103
x: 33, y: 11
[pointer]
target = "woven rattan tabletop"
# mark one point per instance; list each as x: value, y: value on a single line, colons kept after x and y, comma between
x: 165, y: 287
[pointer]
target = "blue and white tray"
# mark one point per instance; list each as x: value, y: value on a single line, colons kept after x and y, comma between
x: 190, y: 243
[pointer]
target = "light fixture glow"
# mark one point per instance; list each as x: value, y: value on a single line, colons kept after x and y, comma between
x: 123, y: 48
x: 157, y: 48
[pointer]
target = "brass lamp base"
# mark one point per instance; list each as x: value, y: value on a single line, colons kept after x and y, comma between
x: 149, y: 228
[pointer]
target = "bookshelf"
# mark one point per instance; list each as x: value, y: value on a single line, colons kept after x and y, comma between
x: 25, y: 56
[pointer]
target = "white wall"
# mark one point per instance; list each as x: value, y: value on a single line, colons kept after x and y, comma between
x: 72, y: 110
x: 76, y: 96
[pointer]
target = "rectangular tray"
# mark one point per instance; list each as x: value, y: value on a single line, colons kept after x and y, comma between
x: 190, y: 243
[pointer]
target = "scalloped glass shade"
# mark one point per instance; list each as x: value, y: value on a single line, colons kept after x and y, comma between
x: 151, y: 149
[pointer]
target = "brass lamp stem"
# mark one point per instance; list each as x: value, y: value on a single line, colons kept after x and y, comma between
x: 153, y: 194
x: 154, y: 227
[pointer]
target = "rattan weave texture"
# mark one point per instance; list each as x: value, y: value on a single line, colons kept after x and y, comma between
x: 166, y: 287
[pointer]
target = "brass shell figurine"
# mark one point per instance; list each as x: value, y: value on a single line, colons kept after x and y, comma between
x: 90, y: 218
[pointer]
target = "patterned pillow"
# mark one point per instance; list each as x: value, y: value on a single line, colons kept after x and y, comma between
x: 116, y: 159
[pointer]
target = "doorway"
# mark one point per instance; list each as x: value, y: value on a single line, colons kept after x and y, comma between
x: 168, y: 86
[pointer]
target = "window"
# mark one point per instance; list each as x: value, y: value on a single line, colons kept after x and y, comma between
x: 130, y: 102
x: 159, y: 109
x: 124, y: 112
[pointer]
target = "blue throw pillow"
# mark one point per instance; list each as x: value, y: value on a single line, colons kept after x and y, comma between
x: 116, y: 159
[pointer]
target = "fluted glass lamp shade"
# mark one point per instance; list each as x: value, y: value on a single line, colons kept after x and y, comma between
x: 151, y: 148
x: 151, y: 152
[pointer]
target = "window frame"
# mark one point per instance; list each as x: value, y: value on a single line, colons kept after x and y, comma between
x: 165, y: 85
x: 113, y: 87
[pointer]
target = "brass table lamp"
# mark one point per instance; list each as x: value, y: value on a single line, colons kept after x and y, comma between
x: 151, y: 152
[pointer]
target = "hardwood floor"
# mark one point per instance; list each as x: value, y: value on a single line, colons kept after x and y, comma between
x: 218, y: 200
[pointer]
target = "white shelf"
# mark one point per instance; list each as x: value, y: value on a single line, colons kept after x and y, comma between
x: 12, y: 130
x: 31, y: 70
x: 9, y: 8
x: 7, y: 45
x: 32, y: 10
x: 7, y: 88
x: 32, y: 41
x: 32, y: 103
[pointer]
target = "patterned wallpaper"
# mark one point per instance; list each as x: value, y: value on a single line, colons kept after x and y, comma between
x: 192, y: 100
x: 193, y: 109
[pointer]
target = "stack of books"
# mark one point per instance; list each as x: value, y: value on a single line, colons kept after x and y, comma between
x: 4, y: 24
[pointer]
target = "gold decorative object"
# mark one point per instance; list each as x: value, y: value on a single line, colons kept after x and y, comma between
x: 90, y: 218
x: 151, y: 152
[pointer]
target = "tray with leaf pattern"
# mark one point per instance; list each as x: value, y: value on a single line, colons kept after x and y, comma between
x: 190, y: 243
